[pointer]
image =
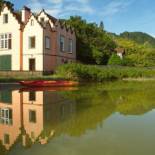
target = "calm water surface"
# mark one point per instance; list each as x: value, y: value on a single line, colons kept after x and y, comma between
x: 114, y: 118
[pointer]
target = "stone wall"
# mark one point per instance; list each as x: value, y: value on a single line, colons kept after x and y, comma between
x: 22, y: 74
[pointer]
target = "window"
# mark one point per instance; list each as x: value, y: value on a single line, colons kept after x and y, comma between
x: 32, y: 22
x: 62, y: 43
x: 32, y: 116
x: 6, y: 116
x: 47, y: 42
x: 32, y: 42
x: 6, y: 96
x: 70, y: 46
x: 32, y: 96
x: 5, y: 41
x: 42, y: 20
x: 5, y: 18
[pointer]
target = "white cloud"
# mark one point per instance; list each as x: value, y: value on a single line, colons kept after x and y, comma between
x: 62, y: 8
x: 55, y: 1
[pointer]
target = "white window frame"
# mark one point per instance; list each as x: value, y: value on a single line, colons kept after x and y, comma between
x: 5, y: 38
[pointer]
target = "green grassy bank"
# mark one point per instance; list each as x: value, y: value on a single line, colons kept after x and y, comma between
x: 102, y: 73
x: 94, y: 73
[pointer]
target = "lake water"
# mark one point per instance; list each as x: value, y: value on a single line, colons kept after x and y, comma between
x: 113, y: 118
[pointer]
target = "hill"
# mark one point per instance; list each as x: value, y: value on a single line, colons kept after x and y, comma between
x: 139, y: 37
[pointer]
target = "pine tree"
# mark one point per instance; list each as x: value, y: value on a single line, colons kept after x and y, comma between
x: 101, y: 26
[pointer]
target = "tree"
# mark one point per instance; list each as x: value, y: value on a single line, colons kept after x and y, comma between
x: 101, y: 26
x: 93, y: 45
x: 7, y: 2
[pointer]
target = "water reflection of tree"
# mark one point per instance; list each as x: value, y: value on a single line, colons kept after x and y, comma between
x: 133, y: 102
x: 3, y: 150
x: 92, y: 109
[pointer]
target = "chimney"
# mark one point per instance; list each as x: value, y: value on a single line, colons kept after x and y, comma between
x: 26, y: 12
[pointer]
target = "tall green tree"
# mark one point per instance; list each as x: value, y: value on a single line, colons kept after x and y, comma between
x: 101, y: 26
x: 93, y: 45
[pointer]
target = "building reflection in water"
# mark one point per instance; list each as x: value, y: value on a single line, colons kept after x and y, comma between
x: 24, y: 116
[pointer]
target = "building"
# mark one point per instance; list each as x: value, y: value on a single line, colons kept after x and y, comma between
x: 120, y: 52
x: 34, y: 42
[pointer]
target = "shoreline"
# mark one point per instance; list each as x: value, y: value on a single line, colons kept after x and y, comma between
x: 139, y: 79
x: 14, y: 81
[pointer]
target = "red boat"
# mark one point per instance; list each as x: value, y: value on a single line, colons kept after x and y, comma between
x: 41, y: 83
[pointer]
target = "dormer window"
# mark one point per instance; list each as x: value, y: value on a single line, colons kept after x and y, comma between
x: 32, y: 22
x: 42, y: 20
x: 5, y: 18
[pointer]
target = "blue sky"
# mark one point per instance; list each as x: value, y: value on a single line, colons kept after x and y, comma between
x: 118, y: 15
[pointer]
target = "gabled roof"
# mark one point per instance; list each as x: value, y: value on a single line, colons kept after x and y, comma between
x: 63, y: 24
x: 18, y: 17
x: 53, y: 19
x: 26, y: 8
x: 36, y: 20
x: 16, y: 14
x: 120, y: 50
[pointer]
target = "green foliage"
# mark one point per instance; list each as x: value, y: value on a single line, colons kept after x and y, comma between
x: 115, y: 60
x: 139, y: 55
x: 7, y: 2
x: 127, y: 62
x: 101, y: 73
x: 94, y: 46
x: 140, y: 38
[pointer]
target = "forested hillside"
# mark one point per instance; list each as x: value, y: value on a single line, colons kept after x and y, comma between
x: 96, y: 45
x: 139, y: 37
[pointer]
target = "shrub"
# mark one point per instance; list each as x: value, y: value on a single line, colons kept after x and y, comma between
x: 101, y: 73
x: 115, y: 60
x: 127, y: 62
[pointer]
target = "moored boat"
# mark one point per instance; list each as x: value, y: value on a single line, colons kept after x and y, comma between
x: 42, y: 83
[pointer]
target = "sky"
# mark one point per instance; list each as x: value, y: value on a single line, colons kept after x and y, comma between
x: 118, y: 15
